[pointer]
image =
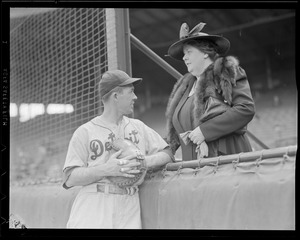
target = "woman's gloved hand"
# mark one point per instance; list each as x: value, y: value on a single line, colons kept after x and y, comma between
x: 202, y: 150
x: 196, y: 136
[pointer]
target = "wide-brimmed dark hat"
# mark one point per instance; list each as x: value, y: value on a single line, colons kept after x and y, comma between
x: 176, y: 49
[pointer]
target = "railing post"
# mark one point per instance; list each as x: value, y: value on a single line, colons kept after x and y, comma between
x: 157, y: 59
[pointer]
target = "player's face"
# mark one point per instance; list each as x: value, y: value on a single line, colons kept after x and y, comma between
x: 126, y: 99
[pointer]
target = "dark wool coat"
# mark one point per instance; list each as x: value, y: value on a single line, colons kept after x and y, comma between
x: 224, y: 78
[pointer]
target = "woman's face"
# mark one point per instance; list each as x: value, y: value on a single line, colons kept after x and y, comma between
x: 194, y: 59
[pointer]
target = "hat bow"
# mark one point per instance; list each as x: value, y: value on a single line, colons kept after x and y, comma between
x: 196, y: 31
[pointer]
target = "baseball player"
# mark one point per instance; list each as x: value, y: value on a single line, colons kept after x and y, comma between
x: 89, y: 162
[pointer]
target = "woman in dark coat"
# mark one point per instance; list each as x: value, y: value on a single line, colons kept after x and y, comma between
x: 211, y: 74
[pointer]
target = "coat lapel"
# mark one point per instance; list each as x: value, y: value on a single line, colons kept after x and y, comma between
x: 177, y: 125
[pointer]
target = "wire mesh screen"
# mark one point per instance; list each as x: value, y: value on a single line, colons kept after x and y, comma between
x: 56, y: 58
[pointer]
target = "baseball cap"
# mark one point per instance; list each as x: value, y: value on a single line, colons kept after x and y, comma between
x: 115, y: 78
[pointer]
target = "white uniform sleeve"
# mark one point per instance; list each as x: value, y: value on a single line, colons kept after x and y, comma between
x: 77, y: 154
x: 153, y: 141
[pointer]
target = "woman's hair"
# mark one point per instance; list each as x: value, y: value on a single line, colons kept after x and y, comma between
x: 205, y: 46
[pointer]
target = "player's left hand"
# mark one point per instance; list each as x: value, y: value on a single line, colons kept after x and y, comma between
x: 126, y: 160
x: 196, y: 136
x: 128, y: 166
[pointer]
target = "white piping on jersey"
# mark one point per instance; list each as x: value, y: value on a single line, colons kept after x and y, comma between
x: 110, y: 129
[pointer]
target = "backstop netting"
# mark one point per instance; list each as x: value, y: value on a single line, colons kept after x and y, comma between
x: 56, y: 59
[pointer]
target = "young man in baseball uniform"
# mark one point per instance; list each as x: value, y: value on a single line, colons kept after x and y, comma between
x: 89, y: 163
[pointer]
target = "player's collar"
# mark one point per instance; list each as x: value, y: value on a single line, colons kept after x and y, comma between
x: 99, y: 121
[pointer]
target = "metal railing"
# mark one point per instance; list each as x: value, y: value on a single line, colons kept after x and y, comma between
x: 283, y: 152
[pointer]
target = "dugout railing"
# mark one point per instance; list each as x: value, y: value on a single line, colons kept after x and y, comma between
x: 248, y: 191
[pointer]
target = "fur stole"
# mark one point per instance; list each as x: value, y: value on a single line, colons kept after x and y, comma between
x: 219, y: 77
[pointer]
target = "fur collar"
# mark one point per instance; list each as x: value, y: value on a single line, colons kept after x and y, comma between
x: 219, y: 77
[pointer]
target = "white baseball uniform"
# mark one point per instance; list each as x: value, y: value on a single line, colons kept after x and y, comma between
x: 89, y: 146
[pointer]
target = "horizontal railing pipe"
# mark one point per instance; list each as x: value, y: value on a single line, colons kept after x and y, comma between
x: 241, y: 157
